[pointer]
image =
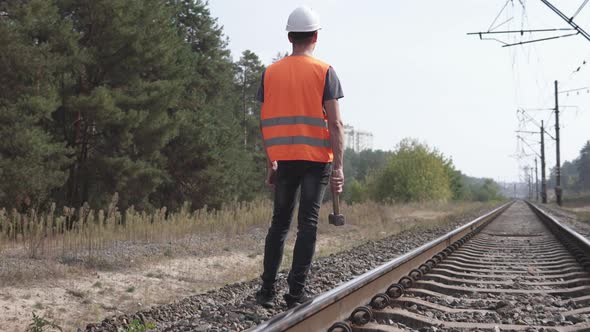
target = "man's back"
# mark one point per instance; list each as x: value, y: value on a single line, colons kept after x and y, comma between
x: 296, y: 78
x: 292, y: 118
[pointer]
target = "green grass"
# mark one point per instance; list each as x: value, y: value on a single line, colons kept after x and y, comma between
x: 40, y: 324
x: 137, y: 326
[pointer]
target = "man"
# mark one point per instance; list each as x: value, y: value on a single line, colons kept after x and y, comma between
x: 304, y: 141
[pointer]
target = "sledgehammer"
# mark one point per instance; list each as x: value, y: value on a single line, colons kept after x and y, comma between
x: 336, y: 218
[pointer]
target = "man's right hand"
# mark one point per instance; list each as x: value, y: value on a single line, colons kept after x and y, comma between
x: 271, y: 171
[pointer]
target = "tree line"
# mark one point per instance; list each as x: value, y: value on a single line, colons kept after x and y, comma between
x: 575, y: 174
x: 138, y: 97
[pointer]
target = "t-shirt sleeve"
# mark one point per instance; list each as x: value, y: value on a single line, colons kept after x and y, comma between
x: 332, y: 87
x: 260, y: 93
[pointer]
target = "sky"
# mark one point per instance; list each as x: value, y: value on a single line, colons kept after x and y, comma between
x: 409, y: 69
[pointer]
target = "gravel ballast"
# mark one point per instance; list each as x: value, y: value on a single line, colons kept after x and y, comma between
x: 233, y: 308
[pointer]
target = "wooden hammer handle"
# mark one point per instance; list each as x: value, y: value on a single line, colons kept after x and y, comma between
x: 336, y: 203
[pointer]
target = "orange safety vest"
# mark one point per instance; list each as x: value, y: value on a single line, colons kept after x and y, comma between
x: 294, y: 124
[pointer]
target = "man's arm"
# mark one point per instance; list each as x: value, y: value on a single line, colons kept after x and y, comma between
x: 268, y: 161
x: 336, y: 128
x: 271, y: 166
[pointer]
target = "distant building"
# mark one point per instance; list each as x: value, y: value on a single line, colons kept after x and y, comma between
x: 357, y: 140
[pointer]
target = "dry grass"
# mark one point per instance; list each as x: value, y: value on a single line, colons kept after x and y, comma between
x: 579, y: 205
x: 577, y: 200
x: 46, y: 234
x: 581, y: 215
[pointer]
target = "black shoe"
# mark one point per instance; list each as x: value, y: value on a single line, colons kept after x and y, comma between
x: 265, y: 297
x: 295, y: 300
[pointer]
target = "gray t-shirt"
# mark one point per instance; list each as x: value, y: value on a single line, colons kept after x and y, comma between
x: 332, y: 87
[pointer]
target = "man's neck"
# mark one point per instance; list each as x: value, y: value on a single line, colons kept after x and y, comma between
x: 305, y: 50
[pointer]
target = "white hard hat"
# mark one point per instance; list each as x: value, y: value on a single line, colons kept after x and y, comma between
x: 303, y: 19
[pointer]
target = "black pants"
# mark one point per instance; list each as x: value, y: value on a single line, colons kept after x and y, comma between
x: 313, y: 178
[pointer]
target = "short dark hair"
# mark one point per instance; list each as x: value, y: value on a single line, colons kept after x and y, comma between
x: 301, y: 37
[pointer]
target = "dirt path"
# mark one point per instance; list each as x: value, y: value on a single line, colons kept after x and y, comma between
x: 75, y: 301
x: 80, y: 299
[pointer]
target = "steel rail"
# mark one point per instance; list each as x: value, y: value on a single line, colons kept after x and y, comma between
x: 338, y: 303
x: 575, y: 242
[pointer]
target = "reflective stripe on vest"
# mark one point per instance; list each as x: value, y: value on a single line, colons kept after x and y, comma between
x: 292, y: 117
x: 294, y: 120
x: 292, y: 140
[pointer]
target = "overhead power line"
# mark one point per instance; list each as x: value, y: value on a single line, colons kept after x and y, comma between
x: 540, y: 40
x: 529, y: 118
x: 567, y: 92
x: 519, y: 31
x: 574, y: 27
x: 569, y: 20
x: 579, y: 9
x: 498, y: 16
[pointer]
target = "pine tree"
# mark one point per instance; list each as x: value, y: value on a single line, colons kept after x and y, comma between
x: 129, y: 73
x: 32, y: 162
x: 248, y: 78
x: 206, y: 161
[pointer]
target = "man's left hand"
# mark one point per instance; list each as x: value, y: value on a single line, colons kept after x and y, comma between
x: 337, y: 180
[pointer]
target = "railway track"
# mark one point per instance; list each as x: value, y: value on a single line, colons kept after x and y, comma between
x: 514, y: 269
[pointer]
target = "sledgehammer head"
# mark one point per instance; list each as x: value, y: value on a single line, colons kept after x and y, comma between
x: 336, y: 219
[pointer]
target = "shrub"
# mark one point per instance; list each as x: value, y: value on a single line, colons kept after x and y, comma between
x: 414, y: 172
